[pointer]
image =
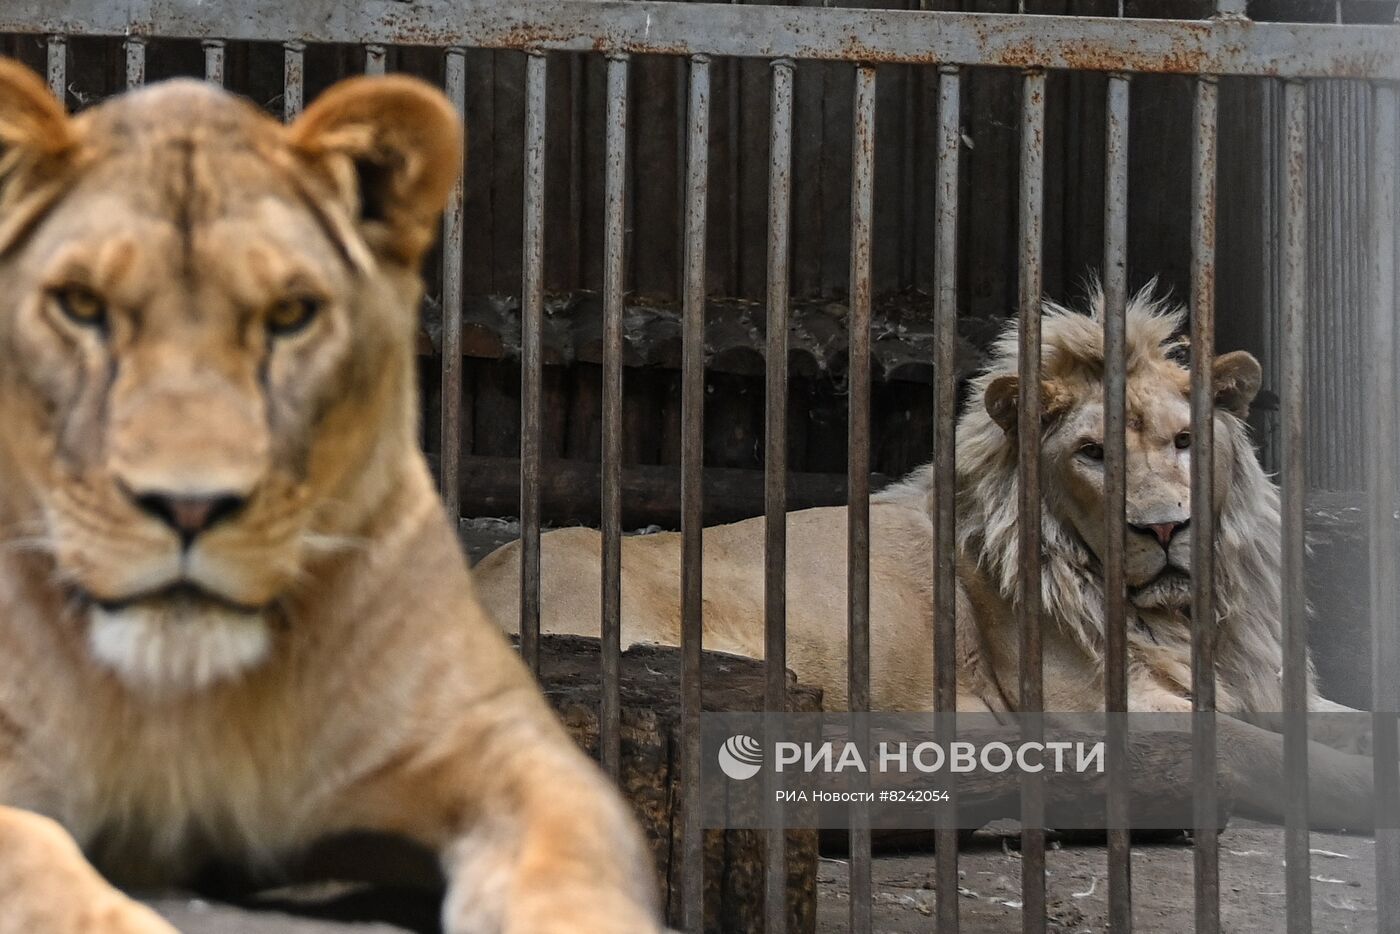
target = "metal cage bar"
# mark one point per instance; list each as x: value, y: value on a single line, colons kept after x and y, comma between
x: 945, y: 543
x: 531, y: 359
x: 1224, y: 46
x: 56, y: 67
x: 135, y: 48
x: 450, y: 375
x: 614, y: 281
x: 375, y: 56
x: 1206, y: 845
x: 775, y: 455
x: 1295, y: 624
x: 1031, y: 695
x: 858, y: 469
x: 1381, y: 495
x: 293, y: 79
x: 697, y: 165
x: 1115, y: 302
x: 215, y: 54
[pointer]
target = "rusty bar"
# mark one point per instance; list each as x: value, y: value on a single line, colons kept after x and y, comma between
x: 858, y: 470
x: 1381, y: 486
x: 375, y: 55
x: 135, y: 47
x: 57, y: 66
x: 697, y: 167
x: 775, y: 458
x: 614, y: 281
x: 1115, y: 424
x: 531, y: 361
x: 945, y: 545
x: 450, y: 448
x: 1223, y: 46
x: 1203, y: 761
x: 1293, y: 240
x: 1031, y: 697
x: 215, y: 53
x: 293, y: 79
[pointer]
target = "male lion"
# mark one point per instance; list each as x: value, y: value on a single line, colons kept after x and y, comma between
x: 1249, y: 651
x: 233, y: 615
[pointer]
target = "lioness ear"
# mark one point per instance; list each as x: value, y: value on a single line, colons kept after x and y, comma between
x: 394, y: 145
x: 1236, y: 380
x: 35, y: 141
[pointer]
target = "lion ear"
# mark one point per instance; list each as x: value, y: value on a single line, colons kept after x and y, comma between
x: 1237, y: 377
x: 36, y: 140
x: 394, y: 147
x: 1003, y: 402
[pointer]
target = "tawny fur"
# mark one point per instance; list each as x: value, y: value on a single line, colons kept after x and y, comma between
x: 323, y: 664
x: 1249, y: 651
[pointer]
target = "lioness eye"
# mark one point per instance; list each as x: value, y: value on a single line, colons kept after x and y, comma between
x: 1182, y: 440
x: 1092, y: 450
x: 291, y: 315
x: 81, y: 305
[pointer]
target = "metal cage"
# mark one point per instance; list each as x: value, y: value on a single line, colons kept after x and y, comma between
x: 1229, y: 44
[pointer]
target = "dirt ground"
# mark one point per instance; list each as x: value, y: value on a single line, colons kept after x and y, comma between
x: 1251, y: 885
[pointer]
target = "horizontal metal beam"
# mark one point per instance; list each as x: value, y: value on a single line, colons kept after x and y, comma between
x: 1220, y: 47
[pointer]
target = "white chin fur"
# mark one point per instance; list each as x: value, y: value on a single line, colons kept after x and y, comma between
x: 171, y: 650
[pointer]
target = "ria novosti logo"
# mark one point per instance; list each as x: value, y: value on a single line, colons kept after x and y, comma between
x: 740, y: 757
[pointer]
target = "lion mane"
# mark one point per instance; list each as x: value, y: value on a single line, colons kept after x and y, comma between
x: 1247, y: 547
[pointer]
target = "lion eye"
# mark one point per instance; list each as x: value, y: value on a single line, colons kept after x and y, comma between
x: 82, y: 306
x: 291, y: 315
x: 1182, y: 440
x: 1092, y: 450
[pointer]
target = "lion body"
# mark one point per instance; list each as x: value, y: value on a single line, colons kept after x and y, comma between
x: 901, y: 560
x: 1248, y: 649
x: 234, y: 618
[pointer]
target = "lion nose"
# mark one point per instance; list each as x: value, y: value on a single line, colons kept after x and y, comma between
x: 190, y: 516
x: 1164, y: 531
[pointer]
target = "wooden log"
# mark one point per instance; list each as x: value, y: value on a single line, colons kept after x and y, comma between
x: 651, y: 743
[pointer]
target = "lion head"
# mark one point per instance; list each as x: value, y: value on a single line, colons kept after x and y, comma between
x: 1159, y: 506
x: 206, y: 365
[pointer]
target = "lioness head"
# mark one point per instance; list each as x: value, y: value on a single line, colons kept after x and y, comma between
x: 1159, y: 443
x: 206, y: 332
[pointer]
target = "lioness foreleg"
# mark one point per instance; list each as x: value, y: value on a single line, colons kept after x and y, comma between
x: 533, y: 840
x: 47, y: 885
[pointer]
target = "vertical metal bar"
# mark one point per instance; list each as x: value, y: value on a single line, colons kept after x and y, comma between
x: 450, y: 448
x: 1203, y: 762
x: 58, y: 67
x: 775, y: 457
x: 375, y: 54
x: 1295, y: 622
x: 293, y: 79
x: 858, y: 467
x: 1032, y: 694
x: 1115, y: 424
x: 135, y: 47
x: 945, y: 554
x: 1385, y: 609
x: 531, y: 360
x: 1234, y: 9
x: 697, y: 166
x: 614, y: 280
x: 214, y: 55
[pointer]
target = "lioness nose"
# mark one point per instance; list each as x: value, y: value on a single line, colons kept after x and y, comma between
x: 190, y: 516
x: 1164, y: 531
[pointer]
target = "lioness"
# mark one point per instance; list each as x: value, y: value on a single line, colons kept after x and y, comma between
x: 1249, y: 651
x: 233, y: 615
